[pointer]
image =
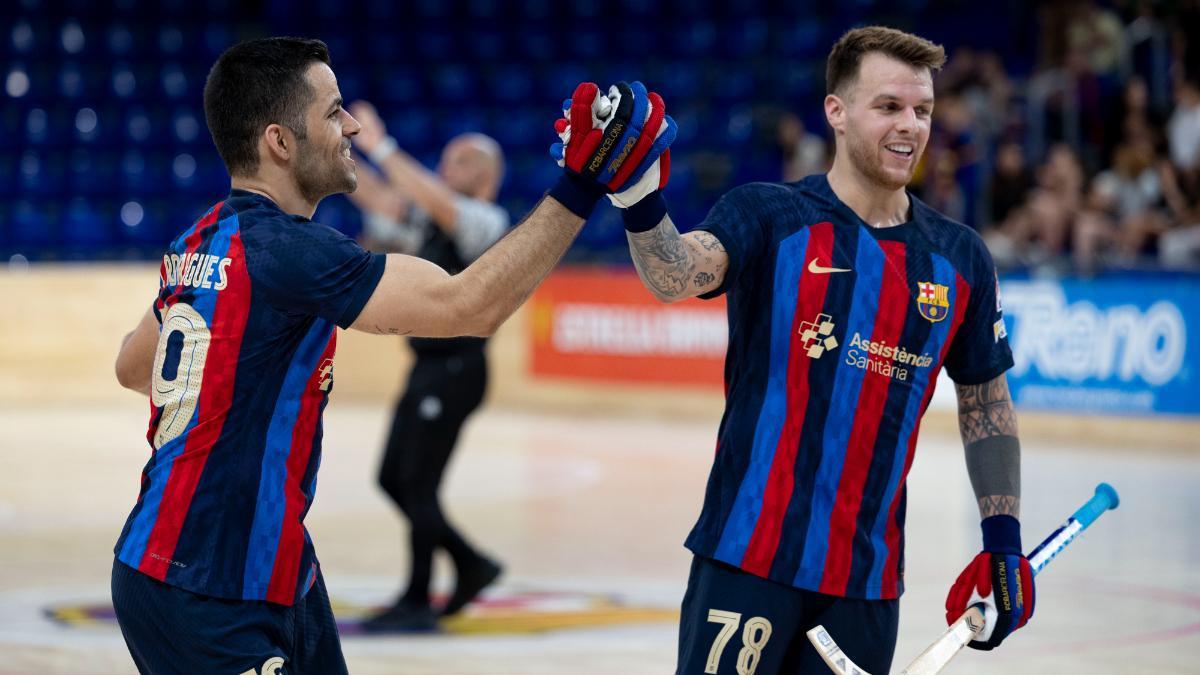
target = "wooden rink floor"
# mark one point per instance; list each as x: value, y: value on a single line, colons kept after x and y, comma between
x: 588, y: 514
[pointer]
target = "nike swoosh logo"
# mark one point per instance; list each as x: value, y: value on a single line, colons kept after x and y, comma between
x: 817, y: 269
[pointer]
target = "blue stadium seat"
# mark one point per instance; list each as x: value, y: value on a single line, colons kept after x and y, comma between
x: 173, y: 43
x: 729, y: 83
x: 9, y: 162
x: 123, y: 82
x: 186, y: 127
x: 639, y: 8
x: 343, y: 50
x: 173, y: 81
x: 802, y: 38
x: 434, y: 44
x: 677, y: 81
x: 561, y: 79
x: 745, y: 38
x: 520, y: 127
x: 183, y: 171
x: 81, y: 176
x: 398, y: 86
x: 484, y: 9
x: 454, y: 84
x: 454, y: 121
x: 31, y: 226
x: 694, y: 40
x: 89, y: 125
x: 536, y: 9
x: 537, y: 44
x: 119, y: 39
x: 218, y: 37
x: 138, y: 125
x: 22, y: 37
x: 12, y: 126
x: 387, y: 54
x: 432, y: 9
x: 353, y: 83
x: 212, y: 178
x: 411, y: 126
x: 585, y: 9
x: 40, y: 174
x: 71, y: 82
x: 587, y: 43
x: 73, y: 40
x: 381, y: 12
x: 510, y: 84
x: 132, y: 170
x: 484, y: 46
x: 85, y: 224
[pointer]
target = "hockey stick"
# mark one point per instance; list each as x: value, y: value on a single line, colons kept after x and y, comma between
x: 937, y: 655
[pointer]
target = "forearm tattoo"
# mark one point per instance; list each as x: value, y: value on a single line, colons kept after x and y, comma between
x: 662, y: 259
x: 989, y: 431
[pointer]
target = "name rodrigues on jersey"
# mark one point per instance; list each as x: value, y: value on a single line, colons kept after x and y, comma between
x: 888, y: 359
x: 196, y: 270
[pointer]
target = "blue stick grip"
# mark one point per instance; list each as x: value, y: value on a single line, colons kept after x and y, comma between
x: 1105, y: 498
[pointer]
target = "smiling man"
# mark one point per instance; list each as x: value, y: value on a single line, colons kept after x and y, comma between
x: 215, y: 571
x: 846, y: 296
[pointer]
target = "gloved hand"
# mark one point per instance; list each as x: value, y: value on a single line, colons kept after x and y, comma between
x: 1000, y: 579
x: 615, y: 154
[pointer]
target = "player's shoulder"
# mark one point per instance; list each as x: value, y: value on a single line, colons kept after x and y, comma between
x: 946, y: 235
x: 262, y: 223
x: 811, y: 192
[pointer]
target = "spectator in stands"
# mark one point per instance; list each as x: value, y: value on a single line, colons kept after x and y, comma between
x: 449, y: 218
x: 1132, y: 117
x: 804, y: 153
x: 1011, y: 181
x: 952, y: 156
x: 1183, y: 136
x: 1039, y: 229
x: 942, y: 190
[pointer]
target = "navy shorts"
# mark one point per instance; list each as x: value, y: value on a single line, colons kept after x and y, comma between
x: 733, y: 621
x: 170, y: 630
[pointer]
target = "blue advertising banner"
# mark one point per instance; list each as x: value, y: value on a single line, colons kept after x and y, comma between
x: 1125, y: 343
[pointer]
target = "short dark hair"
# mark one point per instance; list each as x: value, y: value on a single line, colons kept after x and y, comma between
x: 254, y: 84
x: 841, y: 68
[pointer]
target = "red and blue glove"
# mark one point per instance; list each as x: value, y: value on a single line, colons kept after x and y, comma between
x: 616, y: 154
x: 1000, y: 579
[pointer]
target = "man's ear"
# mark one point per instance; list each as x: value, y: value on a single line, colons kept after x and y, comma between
x: 279, y: 142
x: 835, y: 113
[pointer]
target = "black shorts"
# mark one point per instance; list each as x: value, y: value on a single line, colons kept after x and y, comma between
x: 734, y: 622
x: 170, y: 630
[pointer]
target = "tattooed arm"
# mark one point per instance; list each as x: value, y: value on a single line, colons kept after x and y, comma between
x: 676, y: 267
x: 989, y: 431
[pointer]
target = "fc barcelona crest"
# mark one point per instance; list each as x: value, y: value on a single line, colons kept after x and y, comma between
x: 933, y: 300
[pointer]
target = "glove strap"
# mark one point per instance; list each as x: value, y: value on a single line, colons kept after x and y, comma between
x: 646, y: 214
x: 1001, y: 534
x: 576, y: 193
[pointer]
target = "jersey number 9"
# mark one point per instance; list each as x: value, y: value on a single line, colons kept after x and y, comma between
x: 178, y: 369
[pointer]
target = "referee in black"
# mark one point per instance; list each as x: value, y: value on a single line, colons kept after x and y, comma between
x: 449, y: 218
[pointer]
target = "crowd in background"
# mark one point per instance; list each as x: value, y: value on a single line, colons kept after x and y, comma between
x: 1067, y: 133
x: 1090, y: 162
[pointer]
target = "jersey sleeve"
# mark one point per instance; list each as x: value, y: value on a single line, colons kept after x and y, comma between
x: 980, y: 350
x: 734, y: 222
x: 308, y: 268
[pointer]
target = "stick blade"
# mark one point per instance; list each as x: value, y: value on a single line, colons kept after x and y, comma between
x: 831, y: 654
x: 938, y: 655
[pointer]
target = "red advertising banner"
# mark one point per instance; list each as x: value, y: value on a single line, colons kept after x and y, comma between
x: 602, y: 324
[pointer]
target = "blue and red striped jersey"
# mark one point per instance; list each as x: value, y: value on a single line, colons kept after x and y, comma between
x: 249, y: 300
x: 837, y: 331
